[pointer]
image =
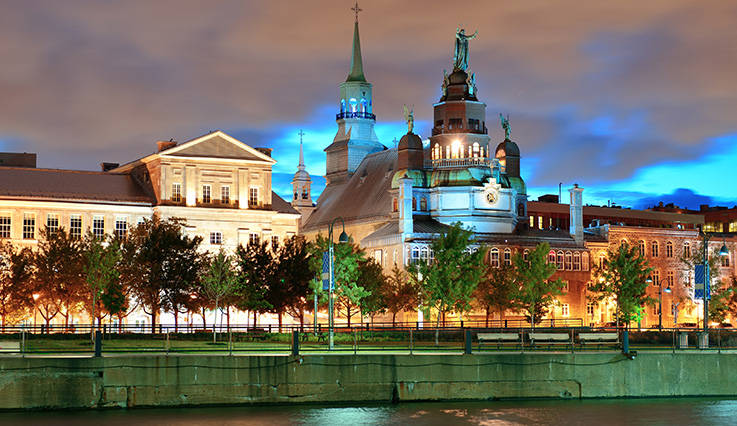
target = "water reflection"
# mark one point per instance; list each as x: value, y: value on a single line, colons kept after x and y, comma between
x: 632, y: 412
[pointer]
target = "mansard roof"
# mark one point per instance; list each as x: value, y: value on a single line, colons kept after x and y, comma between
x: 363, y: 197
x: 69, y: 185
x: 278, y: 204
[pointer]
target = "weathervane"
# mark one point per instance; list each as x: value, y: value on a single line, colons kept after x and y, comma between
x: 356, y: 9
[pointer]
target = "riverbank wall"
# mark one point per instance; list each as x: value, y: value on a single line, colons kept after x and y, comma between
x: 35, y: 383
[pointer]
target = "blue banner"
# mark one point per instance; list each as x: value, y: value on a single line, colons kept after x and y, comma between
x: 325, y: 271
x: 700, y: 282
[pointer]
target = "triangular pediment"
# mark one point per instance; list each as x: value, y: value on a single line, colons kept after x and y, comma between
x: 217, y: 145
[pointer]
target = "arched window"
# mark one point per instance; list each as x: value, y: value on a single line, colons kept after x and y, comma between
x: 602, y: 256
x: 423, y: 204
x: 354, y: 103
x: 475, y: 149
x: 424, y: 254
x: 569, y: 265
x: 525, y: 254
x: 507, y: 257
x: 414, y: 203
x: 551, y: 257
x: 342, y: 105
x: 415, y: 254
x: 655, y: 249
x: 560, y: 260
x: 521, y: 209
x: 494, y: 257
x: 687, y: 250
x: 576, y: 261
x: 669, y: 249
x: 364, y: 105
x: 641, y: 245
x: 447, y: 151
x: 585, y: 261
x: 436, y: 152
x: 395, y: 205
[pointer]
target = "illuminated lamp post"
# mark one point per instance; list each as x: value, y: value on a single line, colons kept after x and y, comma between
x: 707, y: 281
x: 343, y: 238
x: 660, y: 303
x: 35, y: 309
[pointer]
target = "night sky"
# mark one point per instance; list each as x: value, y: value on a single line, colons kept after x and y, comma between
x: 636, y: 101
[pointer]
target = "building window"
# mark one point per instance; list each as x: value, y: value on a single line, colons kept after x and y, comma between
x: 29, y: 226
x: 274, y: 242
x: 656, y: 278
x: 5, y: 225
x: 75, y: 226
x: 565, y: 310
x: 532, y: 221
x: 590, y: 310
x: 423, y: 204
x: 98, y: 226
x: 254, y: 239
x: 669, y: 249
x: 414, y: 203
x: 176, y: 192
x: 395, y: 205
x: 121, y: 226
x: 225, y: 194
x: 671, y: 278
x: 551, y: 257
x: 540, y: 222
x: 687, y: 250
x: 494, y: 257
x: 655, y: 249
x: 569, y: 263
x: 424, y: 252
x: 561, y: 266
x: 216, y: 238
x: 641, y: 245
x: 585, y: 261
x: 206, y: 194
x: 602, y: 257
x: 525, y: 254
x: 52, y: 223
x: 725, y: 260
x: 507, y: 257
x: 415, y: 255
x: 253, y: 197
x: 566, y: 287
x: 576, y: 261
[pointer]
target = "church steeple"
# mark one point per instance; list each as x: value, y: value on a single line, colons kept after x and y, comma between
x: 356, y: 61
x: 356, y: 137
x: 301, y: 183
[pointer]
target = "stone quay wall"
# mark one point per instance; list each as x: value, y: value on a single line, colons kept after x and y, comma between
x: 37, y: 383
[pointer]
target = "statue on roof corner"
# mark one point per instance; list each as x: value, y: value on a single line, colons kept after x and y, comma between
x: 506, y: 126
x: 409, y: 118
x: 460, y: 57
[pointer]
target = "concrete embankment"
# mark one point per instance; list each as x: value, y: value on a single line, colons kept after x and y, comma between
x: 159, y: 381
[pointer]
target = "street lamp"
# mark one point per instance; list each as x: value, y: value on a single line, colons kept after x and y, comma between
x: 343, y: 238
x: 35, y: 309
x: 660, y: 304
x: 707, y: 281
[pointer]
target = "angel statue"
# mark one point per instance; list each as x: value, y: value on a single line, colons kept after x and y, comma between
x: 409, y: 118
x: 506, y: 126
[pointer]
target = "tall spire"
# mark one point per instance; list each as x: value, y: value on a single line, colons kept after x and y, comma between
x: 356, y: 61
x: 301, y: 165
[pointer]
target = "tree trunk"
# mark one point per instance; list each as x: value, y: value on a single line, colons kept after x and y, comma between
x: 394, y: 319
x: 487, y: 316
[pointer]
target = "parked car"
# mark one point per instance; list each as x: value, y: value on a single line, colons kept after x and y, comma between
x: 688, y: 325
x: 725, y: 325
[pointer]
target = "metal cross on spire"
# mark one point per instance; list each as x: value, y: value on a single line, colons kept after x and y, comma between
x: 356, y: 9
x: 301, y: 133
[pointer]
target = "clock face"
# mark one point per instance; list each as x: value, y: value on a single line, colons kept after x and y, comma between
x: 491, y: 196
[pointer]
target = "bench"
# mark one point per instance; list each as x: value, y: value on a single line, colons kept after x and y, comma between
x: 551, y: 339
x: 498, y: 338
x: 256, y: 333
x: 599, y: 339
x: 9, y: 346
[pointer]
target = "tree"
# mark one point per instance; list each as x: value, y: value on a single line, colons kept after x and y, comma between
x: 449, y: 281
x: 374, y: 283
x: 400, y: 292
x: 104, y: 294
x: 348, y: 293
x: 218, y: 282
x: 623, y: 275
x: 16, y: 269
x: 289, y: 288
x: 58, y: 274
x: 496, y: 291
x: 161, y: 265
x: 255, y: 275
x: 535, y: 292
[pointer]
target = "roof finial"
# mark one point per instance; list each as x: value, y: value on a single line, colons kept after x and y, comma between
x: 356, y: 9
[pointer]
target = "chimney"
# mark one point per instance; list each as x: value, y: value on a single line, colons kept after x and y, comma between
x: 265, y: 151
x: 106, y: 167
x: 576, y: 213
x: 164, y: 145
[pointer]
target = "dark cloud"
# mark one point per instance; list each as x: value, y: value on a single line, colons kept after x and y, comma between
x: 596, y: 91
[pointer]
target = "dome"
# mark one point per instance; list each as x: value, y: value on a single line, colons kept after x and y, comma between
x: 410, y: 141
x: 472, y: 176
x: 507, y: 149
x: 301, y: 175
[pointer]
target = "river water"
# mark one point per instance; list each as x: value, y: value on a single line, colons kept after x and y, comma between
x: 681, y: 411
